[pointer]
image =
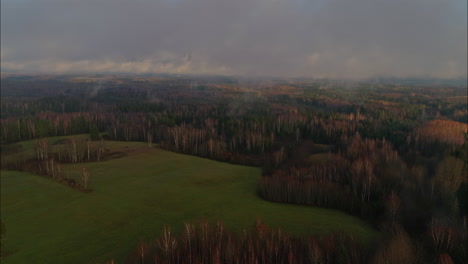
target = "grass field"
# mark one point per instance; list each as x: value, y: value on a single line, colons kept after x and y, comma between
x: 132, y: 198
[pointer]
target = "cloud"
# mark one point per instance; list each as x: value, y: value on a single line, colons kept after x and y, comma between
x: 321, y: 38
x: 174, y: 65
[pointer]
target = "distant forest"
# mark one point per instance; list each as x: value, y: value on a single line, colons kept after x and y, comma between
x: 394, y: 154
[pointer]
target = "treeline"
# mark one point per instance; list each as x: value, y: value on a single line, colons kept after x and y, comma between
x: 368, y: 178
x: 208, y: 243
x: 213, y: 243
x: 354, y: 179
x: 207, y: 131
x: 48, y: 124
x: 48, y: 160
x: 183, y: 128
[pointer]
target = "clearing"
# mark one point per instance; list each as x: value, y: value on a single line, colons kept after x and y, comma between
x: 133, y: 197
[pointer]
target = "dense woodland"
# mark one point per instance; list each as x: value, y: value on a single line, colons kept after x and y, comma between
x: 392, y: 153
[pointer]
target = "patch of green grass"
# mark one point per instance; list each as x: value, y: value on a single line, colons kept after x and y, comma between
x: 319, y: 148
x: 133, y: 198
x: 318, y: 159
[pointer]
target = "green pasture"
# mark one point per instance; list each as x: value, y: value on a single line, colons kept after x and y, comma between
x: 133, y: 198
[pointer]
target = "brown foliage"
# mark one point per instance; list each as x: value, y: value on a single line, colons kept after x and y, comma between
x: 208, y: 243
x: 445, y: 259
x: 443, y: 237
x: 444, y: 131
x: 398, y: 250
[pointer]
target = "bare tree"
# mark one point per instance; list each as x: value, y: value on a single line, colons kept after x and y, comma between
x: 443, y: 237
x: 85, y: 174
x: 279, y: 156
x: 42, y: 149
x: 72, y: 150
x: 188, y: 237
x: 167, y: 242
x: 393, y: 206
x: 142, y: 249
x: 150, y: 138
x: 88, y: 148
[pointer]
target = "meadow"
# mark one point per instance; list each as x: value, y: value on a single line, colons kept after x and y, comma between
x: 133, y: 197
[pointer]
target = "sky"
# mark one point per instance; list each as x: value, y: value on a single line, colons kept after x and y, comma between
x: 281, y: 38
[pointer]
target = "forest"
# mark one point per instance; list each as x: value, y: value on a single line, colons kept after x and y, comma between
x: 393, y: 154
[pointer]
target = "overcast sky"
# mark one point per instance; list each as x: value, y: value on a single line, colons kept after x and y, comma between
x: 285, y: 38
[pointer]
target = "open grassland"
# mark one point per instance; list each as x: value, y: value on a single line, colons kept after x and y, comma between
x: 133, y: 198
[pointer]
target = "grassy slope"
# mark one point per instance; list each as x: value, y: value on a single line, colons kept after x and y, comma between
x: 133, y: 198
